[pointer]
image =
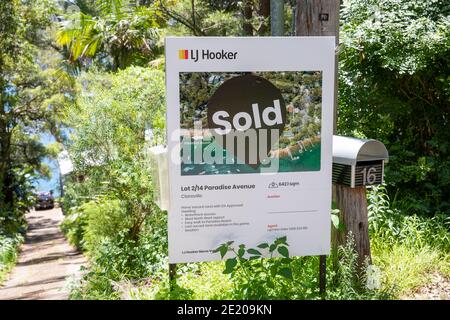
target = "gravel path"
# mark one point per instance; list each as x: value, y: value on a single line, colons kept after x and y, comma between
x: 46, y: 261
x: 438, y: 288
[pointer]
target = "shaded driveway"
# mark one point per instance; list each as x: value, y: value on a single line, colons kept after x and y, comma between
x: 46, y: 261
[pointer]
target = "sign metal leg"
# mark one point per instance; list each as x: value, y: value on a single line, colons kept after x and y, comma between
x: 172, y: 274
x: 322, y: 274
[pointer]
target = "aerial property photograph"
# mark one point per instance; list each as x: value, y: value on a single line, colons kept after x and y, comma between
x: 251, y: 153
x: 297, y: 98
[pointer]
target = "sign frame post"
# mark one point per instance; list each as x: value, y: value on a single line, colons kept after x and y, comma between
x: 172, y: 274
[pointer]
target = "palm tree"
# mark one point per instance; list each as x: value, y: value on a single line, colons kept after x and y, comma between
x: 126, y: 33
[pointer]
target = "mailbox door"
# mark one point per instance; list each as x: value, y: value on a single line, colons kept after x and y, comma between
x: 369, y: 173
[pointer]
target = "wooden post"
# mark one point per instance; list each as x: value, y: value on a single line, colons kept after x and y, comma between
x: 352, y: 203
x: 317, y: 18
x: 321, y: 18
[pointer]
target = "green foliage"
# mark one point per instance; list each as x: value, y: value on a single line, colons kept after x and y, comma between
x: 221, y: 18
x: 293, y: 278
x: 394, y: 80
x: 197, y: 281
x: 119, y: 258
x: 391, y: 225
x: 257, y: 278
x: 75, y: 194
x: 348, y: 282
x: 205, y: 20
x: 125, y: 33
x: 109, y: 198
x: 113, y: 112
x: 9, y: 247
x: 406, y: 268
x: 73, y: 227
x: 30, y: 103
x: 407, y: 248
x: 104, y: 220
x: 108, y: 148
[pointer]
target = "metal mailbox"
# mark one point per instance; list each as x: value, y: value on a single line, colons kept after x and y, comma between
x: 358, y: 162
x: 160, y: 174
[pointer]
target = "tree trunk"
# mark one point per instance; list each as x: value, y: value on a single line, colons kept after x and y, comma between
x: 264, y: 12
x: 6, y: 191
x: 247, y: 14
x: 194, y: 23
x: 320, y: 18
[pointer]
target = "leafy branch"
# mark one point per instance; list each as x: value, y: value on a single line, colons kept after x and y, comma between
x: 251, y: 259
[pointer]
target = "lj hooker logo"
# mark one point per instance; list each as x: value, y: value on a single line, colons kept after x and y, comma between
x: 206, y: 54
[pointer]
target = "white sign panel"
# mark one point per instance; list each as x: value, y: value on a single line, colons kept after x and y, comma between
x: 249, y: 124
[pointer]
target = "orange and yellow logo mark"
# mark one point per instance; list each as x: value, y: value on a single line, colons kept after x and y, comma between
x: 183, y: 54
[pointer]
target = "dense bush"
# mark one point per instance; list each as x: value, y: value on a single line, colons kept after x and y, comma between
x: 395, y: 87
x: 393, y: 226
x: 12, y: 220
x: 94, y: 221
x: 119, y: 258
x: 8, y: 252
x: 286, y: 277
x: 108, y: 201
x: 407, y: 248
x: 107, y: 147
x: 73, y: 226
x: 105, y: 219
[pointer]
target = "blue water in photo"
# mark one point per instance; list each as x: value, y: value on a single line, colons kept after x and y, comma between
x: 308, y: 160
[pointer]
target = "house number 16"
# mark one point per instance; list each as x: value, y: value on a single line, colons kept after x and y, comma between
x: 369, y: 175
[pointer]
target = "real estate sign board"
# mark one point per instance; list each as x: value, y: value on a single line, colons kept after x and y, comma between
x: 249, y: 127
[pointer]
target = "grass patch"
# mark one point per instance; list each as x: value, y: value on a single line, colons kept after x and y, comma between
x: 407, y: 248
x: 407, y: 268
